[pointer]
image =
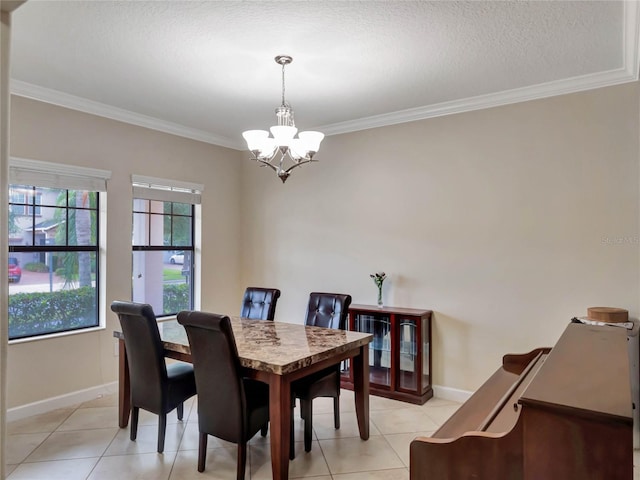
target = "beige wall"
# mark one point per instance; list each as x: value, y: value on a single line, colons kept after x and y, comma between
x: 506, y: 222
x: 46, y: 368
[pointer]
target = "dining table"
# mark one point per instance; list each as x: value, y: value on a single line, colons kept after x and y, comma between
x: 277, y: 353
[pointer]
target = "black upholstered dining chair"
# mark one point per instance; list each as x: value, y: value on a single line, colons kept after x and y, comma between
x: 230, y: 407
x: 329, y: 310
x: 155, y: 386
x: 259, y: 303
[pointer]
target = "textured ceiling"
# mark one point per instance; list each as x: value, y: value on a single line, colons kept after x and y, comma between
x: 205, y: 70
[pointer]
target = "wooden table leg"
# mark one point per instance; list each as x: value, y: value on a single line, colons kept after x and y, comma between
x: 124, y: 387
x: 279, y: 420
x: 361, y: 390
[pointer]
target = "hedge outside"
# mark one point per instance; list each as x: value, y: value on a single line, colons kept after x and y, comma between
x: 47, y: 312
x: 40, y: 313
x: 176, y: 298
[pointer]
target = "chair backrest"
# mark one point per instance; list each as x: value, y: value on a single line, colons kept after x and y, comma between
x: 259, y: 303
x: 145, y: 355
x: 329, y: 310
x: 221, y: 397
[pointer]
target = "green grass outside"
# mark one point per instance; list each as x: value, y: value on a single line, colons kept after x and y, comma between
x: 171, y: 274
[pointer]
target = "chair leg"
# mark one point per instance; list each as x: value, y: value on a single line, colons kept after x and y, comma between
x: 162, y: 429
x: 134, y: 423
x: 264, y: 429
x: 292, y: 439
x: 293, y: 405
x: 202, y: 451
x: 242, y: 459
x: 307, y: 407
x: 336, y: 412
x: 180, y: 411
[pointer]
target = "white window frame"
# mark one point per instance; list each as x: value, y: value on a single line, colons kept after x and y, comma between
x: 169, y: 190
x: 24, y: 171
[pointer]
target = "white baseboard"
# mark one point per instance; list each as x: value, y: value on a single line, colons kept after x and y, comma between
x: 62, y: 401
x: 453, y: 394
x: 80, y: 396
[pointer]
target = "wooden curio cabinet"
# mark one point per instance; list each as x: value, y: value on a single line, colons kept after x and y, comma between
x: 399, y: 354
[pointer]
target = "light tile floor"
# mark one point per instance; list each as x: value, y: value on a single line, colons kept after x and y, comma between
x: 85, y: 443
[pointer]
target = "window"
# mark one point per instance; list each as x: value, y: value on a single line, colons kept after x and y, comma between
x: 23, y: 203
x: 163, y: 245
x: 54, y: 248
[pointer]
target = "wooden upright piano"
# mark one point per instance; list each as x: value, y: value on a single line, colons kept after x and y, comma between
x: 552, y: 414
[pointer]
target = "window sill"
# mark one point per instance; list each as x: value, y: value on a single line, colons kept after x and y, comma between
x: 56, y: 335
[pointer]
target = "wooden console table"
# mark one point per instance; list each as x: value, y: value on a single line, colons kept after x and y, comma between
x: 400, y: 358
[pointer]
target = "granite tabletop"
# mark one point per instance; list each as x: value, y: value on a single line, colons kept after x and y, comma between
x: 273, y: 346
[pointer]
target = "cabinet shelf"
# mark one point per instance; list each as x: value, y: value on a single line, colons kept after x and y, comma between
x: 399, y: 354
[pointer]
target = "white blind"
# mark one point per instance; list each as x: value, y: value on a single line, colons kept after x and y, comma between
x: 23, y: 171
x: 166, y: 190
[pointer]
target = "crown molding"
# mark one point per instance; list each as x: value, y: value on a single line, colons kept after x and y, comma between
x: 28, y: 90
x: 627, y: 73
x: 517, y: 95
x: 534, y: 92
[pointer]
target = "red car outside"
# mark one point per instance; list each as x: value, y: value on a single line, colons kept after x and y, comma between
x: 15, y: 272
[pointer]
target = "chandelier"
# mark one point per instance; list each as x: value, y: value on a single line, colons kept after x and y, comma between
x: 283, y: 152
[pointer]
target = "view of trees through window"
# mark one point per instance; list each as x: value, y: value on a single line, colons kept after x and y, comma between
x: 53, y: 260
x: 163, y: 255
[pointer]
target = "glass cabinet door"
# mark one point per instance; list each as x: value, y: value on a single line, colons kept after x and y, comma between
x: 408, y: 354
x: 379, y: 325
x: 426, y: 354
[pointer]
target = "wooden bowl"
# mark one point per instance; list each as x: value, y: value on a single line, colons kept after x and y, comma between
x: 608, y: 314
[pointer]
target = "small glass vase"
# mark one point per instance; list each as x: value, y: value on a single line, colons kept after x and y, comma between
x: 380, y: 296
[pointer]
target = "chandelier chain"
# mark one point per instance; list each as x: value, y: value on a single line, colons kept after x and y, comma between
x: 283, y: 102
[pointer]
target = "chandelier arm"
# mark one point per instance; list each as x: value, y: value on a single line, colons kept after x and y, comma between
x: 298, y: 164
x: 283, y: 159
x: 265, y: 163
